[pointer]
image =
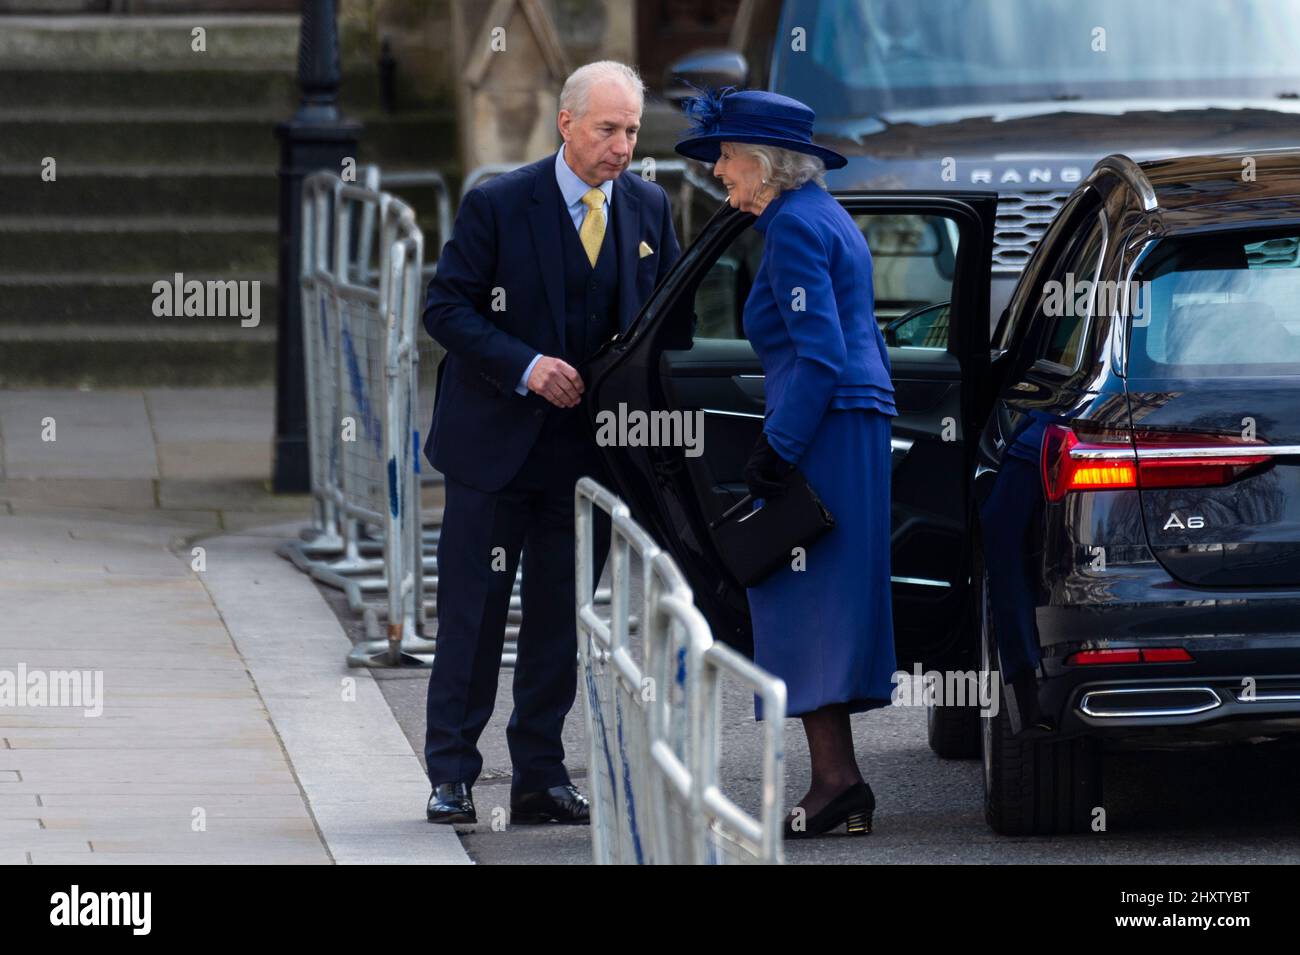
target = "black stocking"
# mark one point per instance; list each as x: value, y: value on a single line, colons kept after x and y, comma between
x: 830, y: 747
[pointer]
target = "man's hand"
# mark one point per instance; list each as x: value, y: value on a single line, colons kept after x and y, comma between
x: 556, y: 381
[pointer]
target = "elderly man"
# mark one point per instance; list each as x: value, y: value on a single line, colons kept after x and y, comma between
x: 545, y: 264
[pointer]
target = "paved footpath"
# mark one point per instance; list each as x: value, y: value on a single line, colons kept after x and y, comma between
x: 230, y: 730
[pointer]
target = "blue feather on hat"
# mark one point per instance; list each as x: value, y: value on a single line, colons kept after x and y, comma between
x: 756, y: 116
x: 705, y: 110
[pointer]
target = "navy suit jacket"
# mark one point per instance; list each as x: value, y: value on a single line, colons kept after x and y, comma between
x: 497, y: 300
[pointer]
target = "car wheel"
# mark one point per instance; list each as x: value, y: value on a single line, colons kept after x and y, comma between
x: 1031, y: 787
x: 954, y: 731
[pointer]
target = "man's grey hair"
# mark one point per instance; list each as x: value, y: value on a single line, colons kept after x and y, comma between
x: 576, y: 93
x: 785, y: 168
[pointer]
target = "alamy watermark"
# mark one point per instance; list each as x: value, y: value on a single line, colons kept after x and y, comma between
x: 656, y: 429
x: 23, y: 688
x: 946, y: 688
x: 133, y: 910
x: 1070, y: 298
x: 214, y: 298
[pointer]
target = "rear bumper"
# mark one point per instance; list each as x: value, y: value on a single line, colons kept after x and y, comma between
x: 1244, y: 644
x: 1231, y: 681
x: 1097, y: 706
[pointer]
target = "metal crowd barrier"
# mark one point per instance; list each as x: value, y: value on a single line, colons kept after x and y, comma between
x: 653, y: 713
x: 423, y: 177
x: 431, y: 353
x: 362, y: 291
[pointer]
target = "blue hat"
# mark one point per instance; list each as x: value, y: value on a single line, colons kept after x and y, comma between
x: 750, y: 116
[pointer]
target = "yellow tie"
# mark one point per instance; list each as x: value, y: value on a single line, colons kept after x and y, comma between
x: 592, y: 232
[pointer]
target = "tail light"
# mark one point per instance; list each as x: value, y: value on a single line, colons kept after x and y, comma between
x: 1144, y: 655
x: 1201, y: 469
x: 1107, y: 459
x: 1103, y: 463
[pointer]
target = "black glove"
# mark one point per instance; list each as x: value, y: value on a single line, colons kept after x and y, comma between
x: 766, y: 471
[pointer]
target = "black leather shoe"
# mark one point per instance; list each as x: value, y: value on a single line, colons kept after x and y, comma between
x: 451, y: 802
x: 562, y: 804
x: 852, y: 808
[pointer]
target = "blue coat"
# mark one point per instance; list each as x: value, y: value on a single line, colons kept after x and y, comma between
x: 811, y: 319
x: 825, y: 625
x: 505, y: 239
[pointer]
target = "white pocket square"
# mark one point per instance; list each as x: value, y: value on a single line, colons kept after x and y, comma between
x: 644, y: 250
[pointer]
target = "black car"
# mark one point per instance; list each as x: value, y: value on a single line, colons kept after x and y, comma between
x: 1103, y: 501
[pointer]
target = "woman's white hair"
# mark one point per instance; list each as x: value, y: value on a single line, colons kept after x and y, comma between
x: 576, y: 93
x: 785, y: 168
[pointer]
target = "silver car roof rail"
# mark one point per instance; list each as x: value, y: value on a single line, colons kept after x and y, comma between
x: 1132, y: 175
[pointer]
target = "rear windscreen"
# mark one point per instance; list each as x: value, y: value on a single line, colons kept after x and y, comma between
x: 1223, y: 305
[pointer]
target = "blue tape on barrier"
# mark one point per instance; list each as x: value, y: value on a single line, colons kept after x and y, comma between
x: 627, y: 782
x: 392, y: 487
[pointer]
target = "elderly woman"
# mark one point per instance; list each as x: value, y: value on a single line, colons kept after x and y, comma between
x: 824, y: 625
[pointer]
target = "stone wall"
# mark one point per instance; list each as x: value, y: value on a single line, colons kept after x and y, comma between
x: 501, y: 61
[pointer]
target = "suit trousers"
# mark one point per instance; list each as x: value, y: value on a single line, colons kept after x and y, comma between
x: 479, y: 549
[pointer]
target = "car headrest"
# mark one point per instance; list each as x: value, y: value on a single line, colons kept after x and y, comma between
x: 1227, y: 333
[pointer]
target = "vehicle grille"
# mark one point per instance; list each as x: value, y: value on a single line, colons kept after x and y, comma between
x: 1022, y: 219
x: 1273, y: 253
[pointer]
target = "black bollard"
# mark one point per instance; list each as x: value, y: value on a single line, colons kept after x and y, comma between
x: 317, y: 137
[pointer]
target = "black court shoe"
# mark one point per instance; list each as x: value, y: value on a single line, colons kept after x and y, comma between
x: 450, y: 803
x: 853, y: 808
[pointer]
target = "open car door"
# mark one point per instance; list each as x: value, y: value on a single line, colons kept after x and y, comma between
x: 931, y: 257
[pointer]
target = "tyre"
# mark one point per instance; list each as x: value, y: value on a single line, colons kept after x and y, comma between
x: 954, y: 731
x: 1031, y: 787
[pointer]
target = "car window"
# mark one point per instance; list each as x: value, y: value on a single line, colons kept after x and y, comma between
x: 913, y: 264
x: 913, y: 261
x: 720, y: 296
x: 1070, y: 294
x: 1219, y: 305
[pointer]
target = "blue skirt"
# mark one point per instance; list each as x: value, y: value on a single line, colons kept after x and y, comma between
x: 827, y: 630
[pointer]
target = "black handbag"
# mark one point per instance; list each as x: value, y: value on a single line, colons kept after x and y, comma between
x: 756, y: 544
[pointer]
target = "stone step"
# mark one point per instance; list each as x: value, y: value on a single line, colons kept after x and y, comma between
x: 107, y: 40
x: 208, y: 352
x: 164, y: 245
x: 139, y: 190
x: 167, y: 163
x: 274, y: 89
x: 96, y: 299
x: 190, y: 137
x: 59, y: 86
x: 227, y: 190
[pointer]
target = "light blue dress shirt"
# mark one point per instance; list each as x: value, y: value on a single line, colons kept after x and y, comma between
x: 572, y: 189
